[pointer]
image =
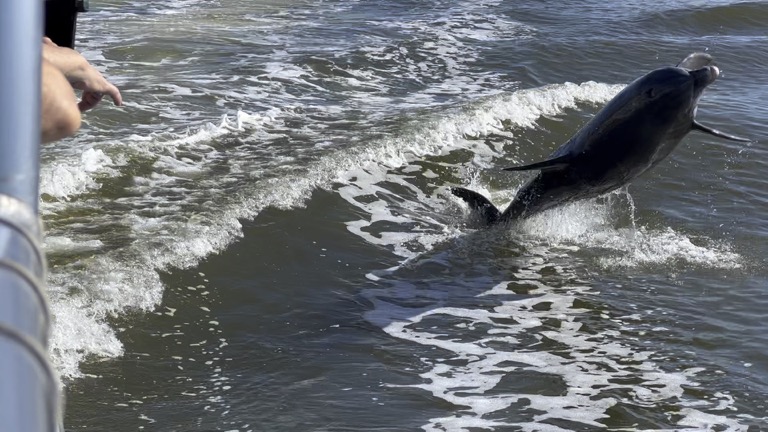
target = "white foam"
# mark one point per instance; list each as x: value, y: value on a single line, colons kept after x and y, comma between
x: 78, y: 334
x: 57, y: 244
x: 590, y: 371
x: 69, y: 176
x: 84, y: 293
x: 440, y: 137
x: 587, y: 224
x: 591, y: 224
x: 598, y: 370
x: 185, y: 209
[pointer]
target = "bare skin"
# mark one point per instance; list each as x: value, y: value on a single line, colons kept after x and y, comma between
x: 80, y: 75
x: 60, y: 113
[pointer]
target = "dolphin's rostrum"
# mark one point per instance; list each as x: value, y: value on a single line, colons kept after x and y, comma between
x: 635, y: 131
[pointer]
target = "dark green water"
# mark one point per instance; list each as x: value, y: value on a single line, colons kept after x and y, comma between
x: 262, y: 238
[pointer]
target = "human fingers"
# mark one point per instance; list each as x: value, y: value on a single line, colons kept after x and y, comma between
x: 89, y: 100
x: 94, y: 91
x: 114, y: 93
x: 92, y: 80
x: 108, y: 89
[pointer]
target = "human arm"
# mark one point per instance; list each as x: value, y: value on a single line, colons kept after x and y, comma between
x: 81, y: 75
x: 59, y: 110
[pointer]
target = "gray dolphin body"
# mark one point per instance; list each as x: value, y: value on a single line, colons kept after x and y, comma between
x: 635, y: 131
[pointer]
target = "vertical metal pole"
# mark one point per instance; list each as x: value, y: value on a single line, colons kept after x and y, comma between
x: 29, y: 391
x: 20, y: 57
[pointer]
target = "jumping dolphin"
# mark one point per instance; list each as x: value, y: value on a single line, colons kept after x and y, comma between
x: 635, y: 131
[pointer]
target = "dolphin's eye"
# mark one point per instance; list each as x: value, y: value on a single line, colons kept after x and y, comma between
x: 651, y: 92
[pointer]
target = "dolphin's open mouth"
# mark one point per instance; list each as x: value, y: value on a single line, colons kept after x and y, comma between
x: 702, y: 77
x: 702, y: 68
x: 705, y: 76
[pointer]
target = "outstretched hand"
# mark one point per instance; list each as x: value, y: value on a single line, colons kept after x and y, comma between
x: 81, y: 75
x: 93, y: 92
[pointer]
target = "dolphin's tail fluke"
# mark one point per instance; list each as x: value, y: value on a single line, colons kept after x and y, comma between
x: 486, y: 210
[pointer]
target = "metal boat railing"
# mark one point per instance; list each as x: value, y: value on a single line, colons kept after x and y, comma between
x: 30, y: 398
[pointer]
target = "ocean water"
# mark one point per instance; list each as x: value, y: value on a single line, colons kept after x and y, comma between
x: 262, y: 238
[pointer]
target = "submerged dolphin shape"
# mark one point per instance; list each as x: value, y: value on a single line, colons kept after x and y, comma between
x: 635, y: 131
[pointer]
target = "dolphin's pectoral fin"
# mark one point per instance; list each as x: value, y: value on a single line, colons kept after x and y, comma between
x: 478, y: 203
x: 706, y: 129
x: 696, y: 61
x: 549, y: 164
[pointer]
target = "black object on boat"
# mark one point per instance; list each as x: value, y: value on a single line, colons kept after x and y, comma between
x: 61, y: 20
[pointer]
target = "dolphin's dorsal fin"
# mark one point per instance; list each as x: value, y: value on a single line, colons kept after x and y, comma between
x: 696, y: 61
x: 706, y: 129
x: 555, y: 163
